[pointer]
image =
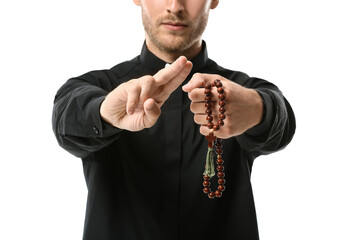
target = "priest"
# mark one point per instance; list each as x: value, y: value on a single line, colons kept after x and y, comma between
x: 142, y: 128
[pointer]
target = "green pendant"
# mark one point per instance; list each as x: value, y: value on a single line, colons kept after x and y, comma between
x: 209, y: 165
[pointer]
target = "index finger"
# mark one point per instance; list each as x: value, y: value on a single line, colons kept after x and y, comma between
x: 168, y: 73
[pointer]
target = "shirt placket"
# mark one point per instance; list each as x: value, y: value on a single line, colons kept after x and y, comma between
x: 172, y: 164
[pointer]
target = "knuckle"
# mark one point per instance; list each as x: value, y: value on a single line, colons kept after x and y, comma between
x: 134, y: 90
x: 132, y: 85
x: 132, y: 82
x: 197, y: 75
x: 199, y: 118
x: 190, y: 96
x: 195, y: 95
x: 192, y: 108
x: 195, y: 118
x: 148, y: 79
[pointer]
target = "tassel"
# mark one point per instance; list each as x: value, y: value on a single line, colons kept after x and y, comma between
x: 209, y: 166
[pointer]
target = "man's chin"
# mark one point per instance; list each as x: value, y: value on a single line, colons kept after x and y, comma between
x: 174, y: 45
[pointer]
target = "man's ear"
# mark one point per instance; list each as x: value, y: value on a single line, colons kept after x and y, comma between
x: 213, y: 5
x: 137, y: 2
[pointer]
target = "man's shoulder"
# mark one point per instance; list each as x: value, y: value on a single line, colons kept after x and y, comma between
x: 123, y: 68
x: 116, y: 72
x: 234, y: 75
x: 239, y: 77
x: 106, y: 78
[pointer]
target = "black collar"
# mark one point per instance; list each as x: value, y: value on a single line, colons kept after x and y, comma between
x: 153, y: 63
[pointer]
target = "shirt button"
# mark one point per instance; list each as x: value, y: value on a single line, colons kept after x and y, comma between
x: 96, y: 130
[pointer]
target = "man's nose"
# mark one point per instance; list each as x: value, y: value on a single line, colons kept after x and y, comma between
x: 175, y: 6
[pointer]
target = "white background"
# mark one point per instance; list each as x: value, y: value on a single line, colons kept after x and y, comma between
x: 302, y: 46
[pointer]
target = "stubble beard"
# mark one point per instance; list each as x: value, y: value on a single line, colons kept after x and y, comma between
x: 173, y: 42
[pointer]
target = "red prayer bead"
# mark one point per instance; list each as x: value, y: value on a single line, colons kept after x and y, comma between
x: 222, y: 116
x: 216, y: 127
x: 219, y: 161
x: 221, y: 122
x: 207, y: 105
x: 206, y: 177
x: 209, y: 118
x: 211, y: 195
x: 207, y: 91
x: 221, y: 96
x: 218, y: 84
x: 221, y: 103
x: 219, y: 151
x: 220, y: 168
x: 221, y: 181
x: 221, y: 174
x: 206, y: 190
x: 218, y: 193
x: 210, y: 125
x: 206, y: 183
x: 222, y: 110
x: 220, y: 90
x: 221, y: 188
x: 208, y: 111
x: 207, y: 85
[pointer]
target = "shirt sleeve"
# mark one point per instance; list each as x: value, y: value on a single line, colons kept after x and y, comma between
x: 278, y: 125
x: 76, y: 119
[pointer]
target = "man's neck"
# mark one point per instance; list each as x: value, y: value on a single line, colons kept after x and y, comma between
x: 171, y: 57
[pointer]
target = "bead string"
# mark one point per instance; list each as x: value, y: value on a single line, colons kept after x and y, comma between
x: 214, y: 143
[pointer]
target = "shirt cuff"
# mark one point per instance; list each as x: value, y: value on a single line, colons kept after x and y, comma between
x: 267, y: 119
x: 100, y: 127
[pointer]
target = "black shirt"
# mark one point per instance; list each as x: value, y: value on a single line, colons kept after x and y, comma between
x: 148, y: 184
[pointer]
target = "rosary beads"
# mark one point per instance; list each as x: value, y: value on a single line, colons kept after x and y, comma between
x: 214, y: 143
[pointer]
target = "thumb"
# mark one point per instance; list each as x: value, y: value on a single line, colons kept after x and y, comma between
x: 152, y: 112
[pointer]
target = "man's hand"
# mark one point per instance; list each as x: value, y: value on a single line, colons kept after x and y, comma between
x: 135, y: 105
x: 244, y: 107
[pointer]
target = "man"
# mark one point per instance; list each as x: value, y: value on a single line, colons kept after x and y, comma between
x: 140, y: 130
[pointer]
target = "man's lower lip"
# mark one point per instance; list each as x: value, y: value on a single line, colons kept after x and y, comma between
x: 174, y: 27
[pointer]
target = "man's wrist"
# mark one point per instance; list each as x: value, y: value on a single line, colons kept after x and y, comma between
x: 267, y: 115
x: 259, y: 108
